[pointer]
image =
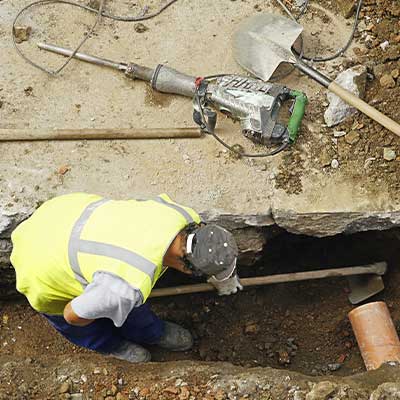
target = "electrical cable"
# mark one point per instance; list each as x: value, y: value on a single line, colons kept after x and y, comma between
x: 42, y: 2
x: 339, y: 52
x: 100, y: 13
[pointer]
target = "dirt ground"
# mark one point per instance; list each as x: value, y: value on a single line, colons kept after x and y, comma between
x: 293, y: 327
x: 297, y: 327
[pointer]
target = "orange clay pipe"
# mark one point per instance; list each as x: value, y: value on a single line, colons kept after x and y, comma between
x: 375, y: 333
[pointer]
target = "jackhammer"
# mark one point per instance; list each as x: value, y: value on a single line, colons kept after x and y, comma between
x: 254, y: 103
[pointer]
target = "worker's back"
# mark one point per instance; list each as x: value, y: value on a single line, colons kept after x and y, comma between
x: 40, y: 249
x: 60, y: 247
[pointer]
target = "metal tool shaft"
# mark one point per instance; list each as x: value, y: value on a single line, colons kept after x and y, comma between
x: 164, y: 79
x: 83, y: 56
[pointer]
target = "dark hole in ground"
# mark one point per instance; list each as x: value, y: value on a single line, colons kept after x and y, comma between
x: 297, y: 326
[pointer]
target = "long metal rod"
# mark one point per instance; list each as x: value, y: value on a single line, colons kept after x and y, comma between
x: 377, y: 268
x: 83, y: 56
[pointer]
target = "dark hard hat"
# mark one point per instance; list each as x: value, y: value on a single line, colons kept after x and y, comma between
x: 213, y: 251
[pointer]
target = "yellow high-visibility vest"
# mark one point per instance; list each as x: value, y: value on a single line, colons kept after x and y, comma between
x: 59, y: 248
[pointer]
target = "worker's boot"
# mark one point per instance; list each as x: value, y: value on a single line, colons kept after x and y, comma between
x: 175, y: 338
x: 131, y: 352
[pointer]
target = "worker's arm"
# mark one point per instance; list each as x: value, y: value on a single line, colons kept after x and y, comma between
x: 74, y: 319
x: 107, y: 296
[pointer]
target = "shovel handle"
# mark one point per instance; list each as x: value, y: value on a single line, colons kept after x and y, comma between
x: 365, y: 108
x: 376, y: 268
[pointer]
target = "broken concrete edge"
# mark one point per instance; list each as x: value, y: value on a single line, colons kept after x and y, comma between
x: 318, y: 224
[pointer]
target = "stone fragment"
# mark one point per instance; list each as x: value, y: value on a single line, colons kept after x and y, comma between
x: 283, y: 357
x: 22, y: 33
x: 251, y: 328
x: 184, y: 394
x: 387, y: 81
x: 64, y: 388
x: 322, y: 391
x: 120, y: 396
x: 353, y: 79
x: 114, y: 390
x: 337, y: 134
x: 388, y: 390
x: 220, y: 395
x: 352, y: 137
x: 335, y: 163
x: 395, y: 73
x: 389, y: 154
x: 77, y: 396
x: 346, y: 7
x: 140, y: 28
x: 171, y: 390
x: 334, y: 366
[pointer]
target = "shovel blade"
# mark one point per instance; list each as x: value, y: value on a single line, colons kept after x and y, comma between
x: 362, y: 287
x: 264, y: 41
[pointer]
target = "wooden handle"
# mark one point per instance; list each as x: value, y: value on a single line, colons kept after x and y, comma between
x: 365, y: 108
x: 377, y: 268
x: 11, y: 135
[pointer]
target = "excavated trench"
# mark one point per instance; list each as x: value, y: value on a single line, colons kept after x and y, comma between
x: 294, y: 326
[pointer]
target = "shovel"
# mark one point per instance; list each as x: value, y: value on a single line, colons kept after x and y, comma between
x: 264, y: 41
x: 367, y: 283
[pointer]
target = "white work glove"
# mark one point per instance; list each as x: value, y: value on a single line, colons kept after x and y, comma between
x: 227, y: 286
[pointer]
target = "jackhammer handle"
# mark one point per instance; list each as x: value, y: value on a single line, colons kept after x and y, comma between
x: 365, y: 108
x: 376, y: 268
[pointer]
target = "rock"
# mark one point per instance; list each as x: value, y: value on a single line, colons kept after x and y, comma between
x: 337, y: 134
x: 144, y: 392
x: 353, y: 79
x: 220, y: 395
x: 251, y: 328
x: 322, y: 391
x: 389, y: 154
x: 283, y: 357
x: 171, y: 390
x: 384, y: 45
x: 65, y: 387
x: 395, y: 73
x: 22, y: 33
x: 388, y: 390
x: 352, y: 137
x: 335, y: 163
x: 97, y: 371
x: 184, y: 394
x: 387, y: 81
x: 120, y: 396
x: 334, y: 366
x: 346, y: 7
x: 114, y: 390
x: 140, y: 28
x: 77, y: 396
x: 95, y: 4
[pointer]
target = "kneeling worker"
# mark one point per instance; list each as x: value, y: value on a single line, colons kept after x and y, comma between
x: 88, y: 264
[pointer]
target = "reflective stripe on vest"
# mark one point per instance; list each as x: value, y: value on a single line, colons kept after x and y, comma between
x: 181, y: 210
x: 76, y: 244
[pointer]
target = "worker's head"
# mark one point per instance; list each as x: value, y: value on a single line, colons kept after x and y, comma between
x: 211, y: 251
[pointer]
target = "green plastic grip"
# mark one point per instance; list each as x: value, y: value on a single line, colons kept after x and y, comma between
x: 297, y: 114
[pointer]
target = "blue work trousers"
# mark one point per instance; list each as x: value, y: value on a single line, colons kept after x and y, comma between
x: 142, y: 326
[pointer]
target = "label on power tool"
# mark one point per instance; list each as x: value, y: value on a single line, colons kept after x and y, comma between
x: 248, y: 84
